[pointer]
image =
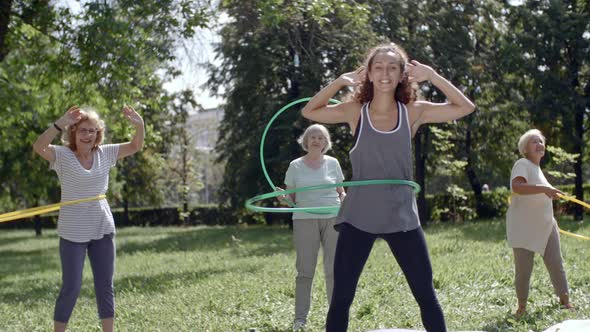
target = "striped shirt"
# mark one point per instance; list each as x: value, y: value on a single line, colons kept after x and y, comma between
x: 86, y: 221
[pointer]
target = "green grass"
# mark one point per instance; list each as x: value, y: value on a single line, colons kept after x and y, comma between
x: 236, y: 278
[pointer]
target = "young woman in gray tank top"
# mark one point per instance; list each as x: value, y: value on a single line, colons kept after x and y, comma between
x: 384, y: 115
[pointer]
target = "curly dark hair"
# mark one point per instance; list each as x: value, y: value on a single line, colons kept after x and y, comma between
x: 405, y: 91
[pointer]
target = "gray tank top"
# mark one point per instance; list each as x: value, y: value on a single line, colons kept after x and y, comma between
x: 377, y: 155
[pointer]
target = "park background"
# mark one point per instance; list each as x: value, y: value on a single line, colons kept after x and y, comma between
x: 525, y: 64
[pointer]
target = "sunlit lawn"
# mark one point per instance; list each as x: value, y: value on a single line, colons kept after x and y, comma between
x: 237, y: 278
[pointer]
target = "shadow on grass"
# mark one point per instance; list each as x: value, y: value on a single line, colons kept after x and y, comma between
x: 31, y: 291
x: 509, y: 322
x: 570, y: 225
x: 500, y: 324
x: 265, y: 328
x: 251, y: 241
x: 534, y: 320
x: 7, y: 239
x: 28, y: 262
x: 485, y: 231
x: 148, y: 284
x: 255, y: 240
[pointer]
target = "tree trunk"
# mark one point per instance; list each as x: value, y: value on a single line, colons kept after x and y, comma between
x: 578, y: 143
x: 5, y: 8
x: 580, y: 129
x: 472, y: 175
x: 184, y: 176
x: 420, y: 140
x: 37, y: 225
x: 187, y: 219
x: 126, y: 205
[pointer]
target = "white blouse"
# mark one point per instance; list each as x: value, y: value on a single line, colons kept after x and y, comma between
x: 529, y: 219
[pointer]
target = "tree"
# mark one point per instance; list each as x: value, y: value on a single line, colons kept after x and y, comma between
x: 554, y: 40
x: 274, y: 52
x: 182, y: 163
x: 5, y: 9
x: 54, y: 58
x: 462, y: 40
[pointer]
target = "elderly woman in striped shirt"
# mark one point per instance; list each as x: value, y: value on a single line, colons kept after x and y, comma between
x: 82, y: 165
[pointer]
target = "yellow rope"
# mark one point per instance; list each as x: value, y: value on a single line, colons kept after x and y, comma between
x: 9, y: 216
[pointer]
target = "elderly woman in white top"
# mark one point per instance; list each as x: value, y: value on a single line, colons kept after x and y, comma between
x: 531, y: 227
x: 312, y: 230
x: 82, y: 165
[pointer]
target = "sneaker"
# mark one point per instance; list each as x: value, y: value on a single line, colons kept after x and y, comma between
x: 298, y: 325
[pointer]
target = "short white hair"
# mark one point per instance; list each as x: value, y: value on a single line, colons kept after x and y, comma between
x: 524, y: 139
x: 304, y: 138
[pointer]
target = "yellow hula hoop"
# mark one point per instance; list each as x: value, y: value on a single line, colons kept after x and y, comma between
x: 573, y: 200
x: 577, y: 201
x: 9, y: 216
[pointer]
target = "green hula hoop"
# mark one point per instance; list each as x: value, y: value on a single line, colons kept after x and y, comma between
x: 323, y: 209
x: 316, y: 210
x: 263, y: 139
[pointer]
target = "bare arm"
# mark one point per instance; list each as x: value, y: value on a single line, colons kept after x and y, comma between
x: 42, y: 145
x: 317, y: 109
x: 423, y: 112
x: 136, y: 144
x: 521, y: 187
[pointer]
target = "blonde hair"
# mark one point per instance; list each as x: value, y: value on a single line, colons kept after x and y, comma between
x: 304, y: 138
x: 90, y: 115
x: 524, y: 140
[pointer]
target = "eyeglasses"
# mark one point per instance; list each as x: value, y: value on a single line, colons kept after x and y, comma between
x: 84, y: 131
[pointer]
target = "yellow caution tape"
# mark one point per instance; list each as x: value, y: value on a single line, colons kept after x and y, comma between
x: 43, y: 209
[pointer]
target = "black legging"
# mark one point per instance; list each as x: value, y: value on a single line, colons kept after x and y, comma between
x: 409, y: 249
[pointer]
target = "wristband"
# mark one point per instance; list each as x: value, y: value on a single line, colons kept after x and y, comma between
x: 57, y: 127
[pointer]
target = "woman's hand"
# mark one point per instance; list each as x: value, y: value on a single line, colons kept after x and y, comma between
x: 281, y: 198
x: 418, y: 72
x: 136, y: 144
x: 71, y: 117
x: 342, y: 196
x: 132, y: 116
x: 552, y: 192
x: 353, y: 78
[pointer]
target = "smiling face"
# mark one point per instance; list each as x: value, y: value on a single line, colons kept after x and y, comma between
x: 385, y: 71
x: 85, y: 135
x: 535, y: 147
x: 316, y: 142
